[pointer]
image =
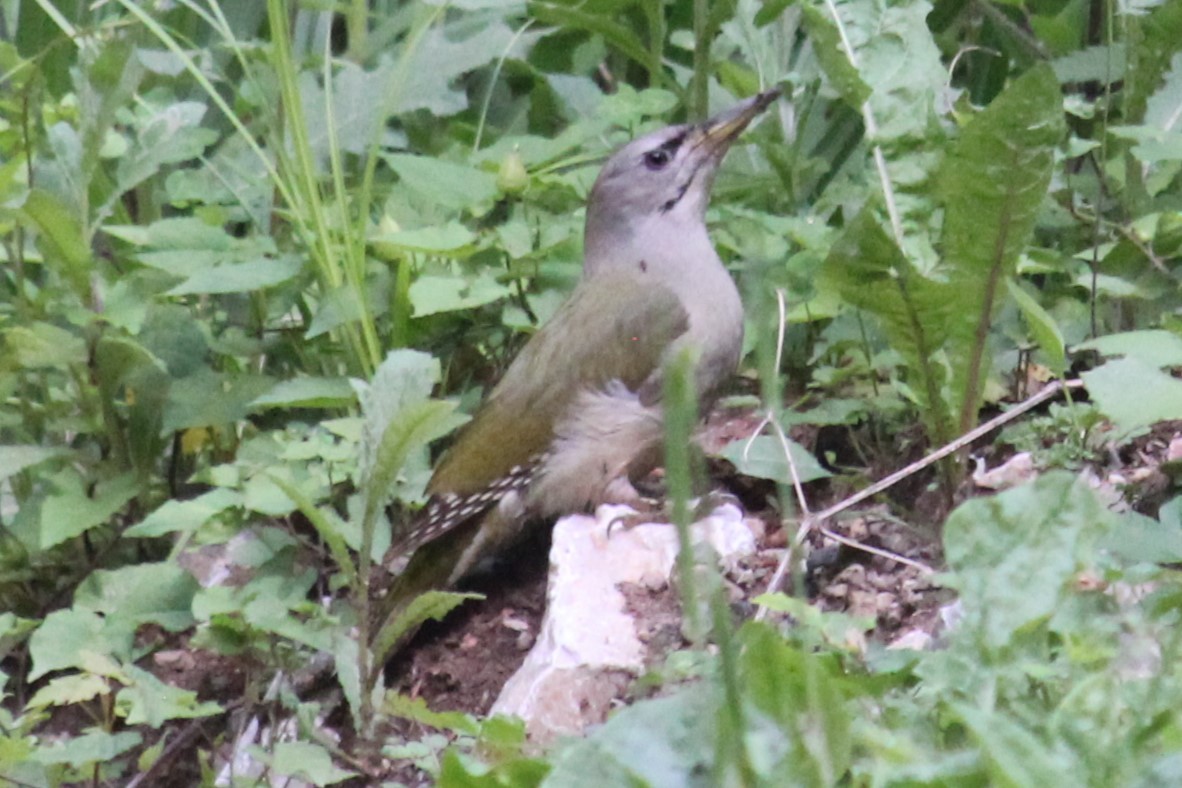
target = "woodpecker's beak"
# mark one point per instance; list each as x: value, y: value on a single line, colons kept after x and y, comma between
x: 717, y: 133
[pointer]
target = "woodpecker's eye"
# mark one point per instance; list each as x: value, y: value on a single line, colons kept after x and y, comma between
x: 656, y: 159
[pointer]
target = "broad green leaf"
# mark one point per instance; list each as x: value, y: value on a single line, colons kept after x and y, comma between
x: 14, y: 459
x: 444, y: 183
x: 445, y: 53
x: 1156, y: 347
x: 434, y: 294
x: 827, y: 40
x: 599, y: 21
x: 70, y: 511
x: 149, y: 701
x: 158, y: 593
x: 799, y: 692
x: 66, y: 636
x: 668, y: 741
x: 1134, y: 394
x: 1141, y: 538
x: 185, y: 516
x: 1014, y: 754
x: 449, y: 240
x: 208, y: 398
x: 306, y: 761
x: 1102, y: 64
x: 763, y: 457
x: 1015, y: 555
x: 246, y: 277
x: 43, y: 346
x: 403, y: 379
x: 307, y: 393
x: 89, y: 748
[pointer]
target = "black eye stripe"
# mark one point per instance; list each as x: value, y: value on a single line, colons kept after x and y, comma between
x: 660, y: 156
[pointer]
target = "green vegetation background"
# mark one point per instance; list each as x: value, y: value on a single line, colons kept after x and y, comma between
x: 257, y: 256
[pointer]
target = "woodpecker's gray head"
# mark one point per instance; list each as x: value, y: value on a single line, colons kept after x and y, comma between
x: 663, y: 179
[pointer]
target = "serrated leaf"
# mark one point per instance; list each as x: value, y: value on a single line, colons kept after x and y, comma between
x: 994, y: 181
x: 149, y: 701
x: 65, y: 690
x: 432, y: 605
x: 415, y: 710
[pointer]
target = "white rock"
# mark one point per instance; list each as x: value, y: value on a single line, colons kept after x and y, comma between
x: 588, y: 651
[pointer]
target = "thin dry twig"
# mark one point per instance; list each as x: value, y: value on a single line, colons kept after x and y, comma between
x: 813, y: 521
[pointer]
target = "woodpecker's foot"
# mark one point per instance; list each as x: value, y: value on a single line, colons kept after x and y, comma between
x: 647, y: 511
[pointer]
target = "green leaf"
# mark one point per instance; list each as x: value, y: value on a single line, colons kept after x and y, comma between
x: 1155, y: 347
x: 70, y: 511
x: 415, y: 710
x: 432, y: 605
x: 868, y: 269
x: 601, y: 23
x: 149, y: 701
x: 306, y: 761
x: 43, y: 346
x: 60, y: 237
x: 66, y: 636
x: 1138, y: 538
x: 307, y: 392
x: 1102, y: 64
x: 444, y: 183
x: 1015, y: 755
x: 431, y: 295
x: 799, y: 692
x: 244, y: 277
x: 65, y: 690
x: 186, y: 516
x: 159, y: 593
x: 14, y: 459
x: 833, y: 58
x: 90, y: 748
x: 208, y: 398
x: 763, y: 457
x: 1042, y: 326
x: 1133, y: 394
x: 1014, y: 555
x: 663, y: 742
x: 450, y: 240
x: 994, y: 180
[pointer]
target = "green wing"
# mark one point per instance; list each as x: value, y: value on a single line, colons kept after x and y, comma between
x: 613, y: 327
